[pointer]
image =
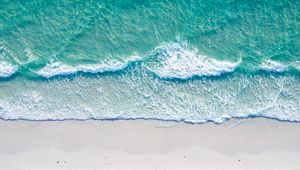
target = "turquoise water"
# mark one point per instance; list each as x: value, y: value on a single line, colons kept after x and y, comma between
x: 192, y: 61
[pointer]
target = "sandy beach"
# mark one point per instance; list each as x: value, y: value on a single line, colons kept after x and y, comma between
x: 148, y: 144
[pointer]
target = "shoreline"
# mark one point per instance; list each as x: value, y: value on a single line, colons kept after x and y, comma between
x: 224, y: 120
x: 258, y: 143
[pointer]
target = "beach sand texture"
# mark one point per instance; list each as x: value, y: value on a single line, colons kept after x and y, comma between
x: 148, y: 144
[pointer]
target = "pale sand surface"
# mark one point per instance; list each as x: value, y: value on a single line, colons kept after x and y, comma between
x: 147, y: 144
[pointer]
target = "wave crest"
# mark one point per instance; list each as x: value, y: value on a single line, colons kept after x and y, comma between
x: 177, y: 61
x: 272, y: 66
x: 58, y: 68
x: 6, y: 69
x: 174, y: 60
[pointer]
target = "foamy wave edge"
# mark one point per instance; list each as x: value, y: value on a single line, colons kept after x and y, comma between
x: 220, y: 120
x: 55, y: 68
x: 277, y: 67
x: 7, y: 70
x: 171, y: 61
x: 273, y: 66
x: 167, y: 61
x: 178, y: 61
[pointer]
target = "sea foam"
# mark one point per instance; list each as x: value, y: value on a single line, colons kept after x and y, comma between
x: 6, y: 69
x: 137, y: 95
x: 167, y: 61
x: 177, y: 61
x: 55, y: 68
x: 272, y: 66
x: 173, y: 60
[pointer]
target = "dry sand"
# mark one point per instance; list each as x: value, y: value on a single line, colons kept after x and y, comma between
x: 146, y: 144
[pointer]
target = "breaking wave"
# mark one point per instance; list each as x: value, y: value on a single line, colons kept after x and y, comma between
x: 273, y: 66
x: 167, y: 61
x: 177, y: 61
x: 6, y: 69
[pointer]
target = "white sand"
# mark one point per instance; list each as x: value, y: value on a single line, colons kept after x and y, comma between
x: 104, y: 145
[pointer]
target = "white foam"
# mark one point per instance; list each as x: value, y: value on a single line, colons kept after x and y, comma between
x: 6, y: 69
x: 177, y: 61
x: 272, y: 66
x: 55, y: 68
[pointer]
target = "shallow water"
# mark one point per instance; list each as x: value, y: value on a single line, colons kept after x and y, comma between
x: 185, y: 60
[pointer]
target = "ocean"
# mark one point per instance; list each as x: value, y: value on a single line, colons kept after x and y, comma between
x: 183, y: 60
